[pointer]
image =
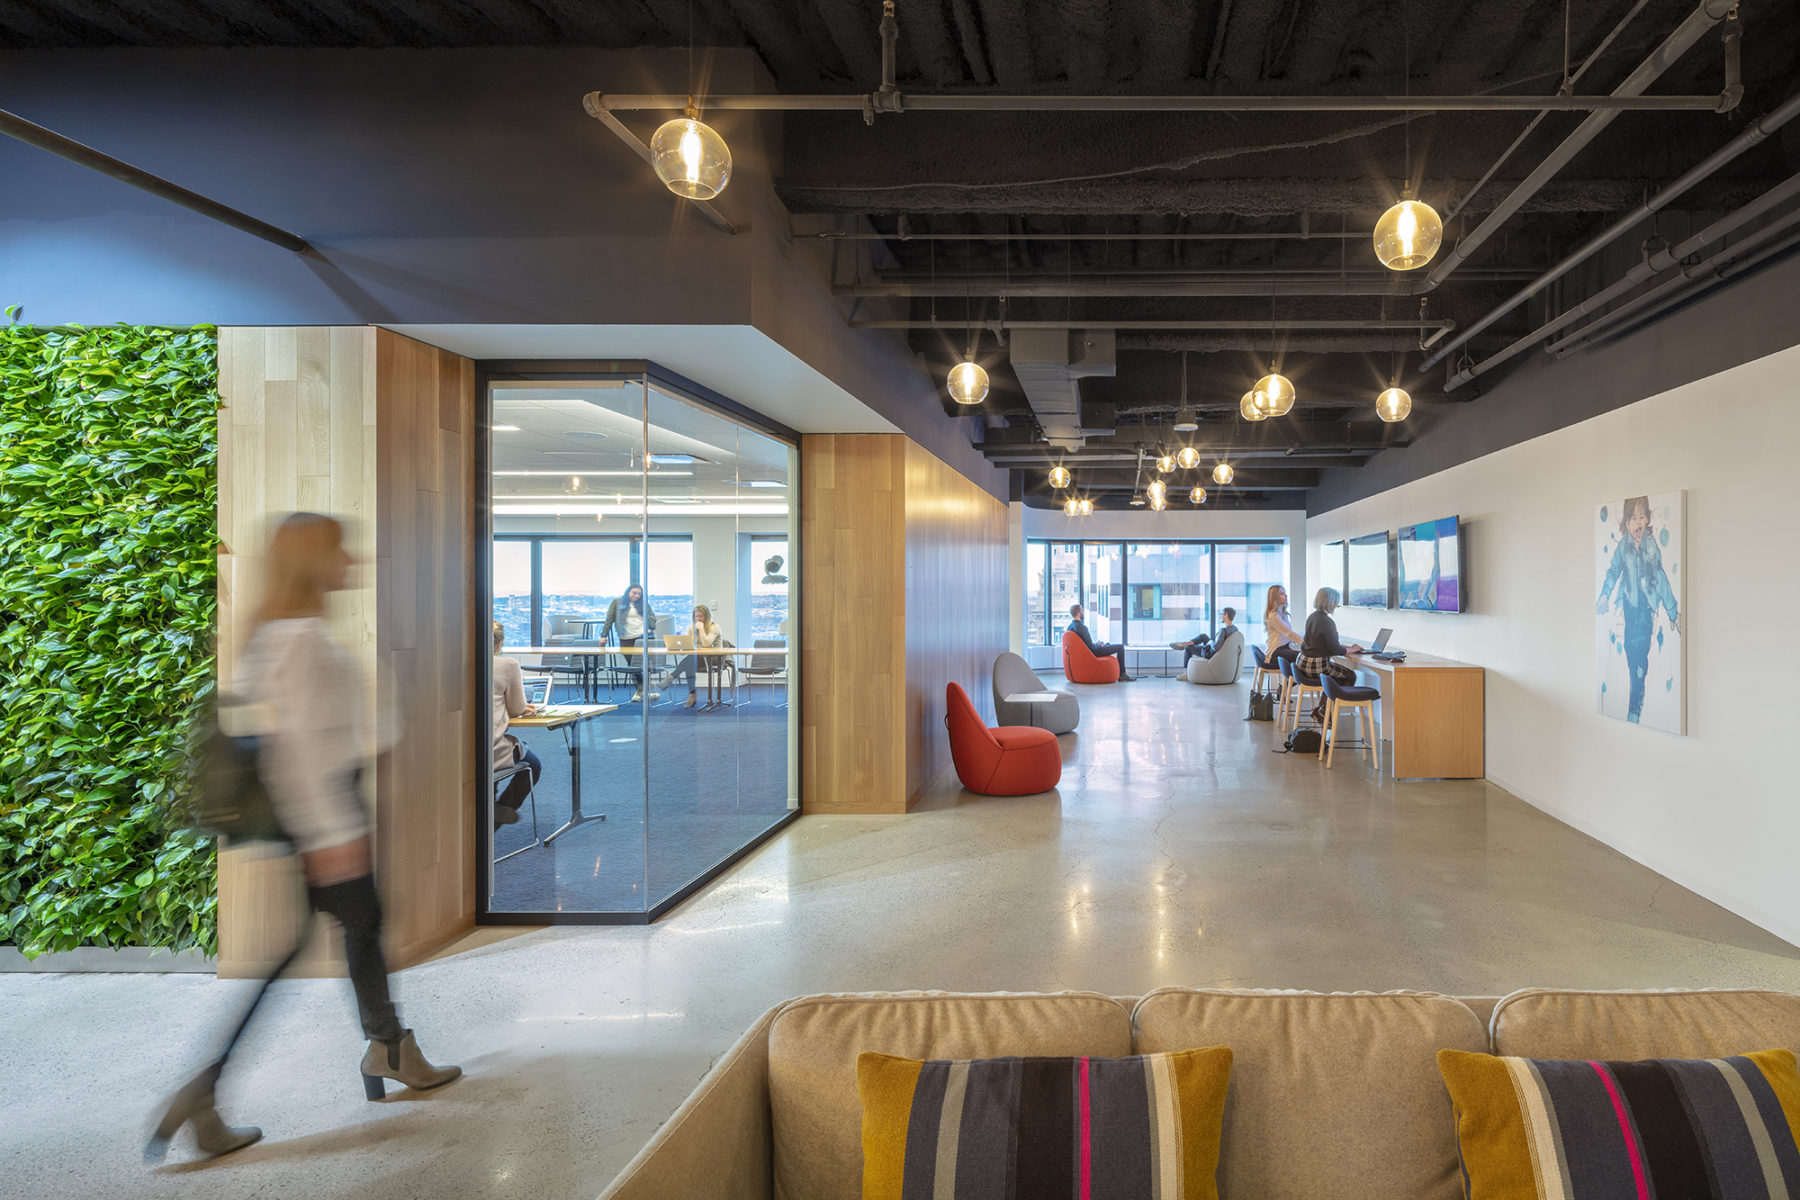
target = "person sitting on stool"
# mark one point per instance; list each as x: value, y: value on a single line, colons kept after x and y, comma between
x: 509, y: 702
x: 1097, y: 649
x: 1203, y: 646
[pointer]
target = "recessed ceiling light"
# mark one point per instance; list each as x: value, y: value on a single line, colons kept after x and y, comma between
x: 671, y: 460
x: 764, y: 483
x: 504, y: 428
x: 674, y: 500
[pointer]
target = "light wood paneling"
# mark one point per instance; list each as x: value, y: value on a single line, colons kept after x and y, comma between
x: 956, y: 596
x: 853, y: 660
x: 376, y: 430
x: 1439, y: 723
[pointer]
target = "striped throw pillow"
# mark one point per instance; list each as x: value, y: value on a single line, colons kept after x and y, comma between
x: 1045, y: 1128
x: 1701, y: 1129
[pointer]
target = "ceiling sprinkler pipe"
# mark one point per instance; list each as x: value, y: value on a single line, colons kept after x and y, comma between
x: 1440, y: 324
x: 979, y: 102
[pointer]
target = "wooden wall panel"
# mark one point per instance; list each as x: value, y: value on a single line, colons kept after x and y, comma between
x: 376, y: 430
x: 853, y: 665
x: 956, y: 595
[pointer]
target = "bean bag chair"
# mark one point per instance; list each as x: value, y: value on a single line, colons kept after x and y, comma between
x: 1012, y: 760
x: 1080, y: 665
x: 1013, y: 674
x: 1225, y: 665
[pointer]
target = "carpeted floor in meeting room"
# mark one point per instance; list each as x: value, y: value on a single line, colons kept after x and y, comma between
x: 717, y: 778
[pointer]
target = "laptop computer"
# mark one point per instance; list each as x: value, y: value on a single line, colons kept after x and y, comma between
x: 678, y: 641
x: 1381, y: 641
x: 537, y: 691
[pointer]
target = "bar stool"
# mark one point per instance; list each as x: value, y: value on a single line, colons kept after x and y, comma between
x: 1263, y: 671
x: 1340, y: 696
x: 1286, y: 667
x: 1303, y: 685
x: 502, y: 777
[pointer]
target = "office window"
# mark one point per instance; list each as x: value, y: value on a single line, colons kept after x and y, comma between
x: 513, y: 590
x: 1149, y: 593
x: 1245, y: 572
x: 669, y: 582
x: 1037, y: 593
x: 1065, y: 586
x: 768, y: 592
x: 579, y: 579
x: 1103, y: 590
x: 1169, y: 591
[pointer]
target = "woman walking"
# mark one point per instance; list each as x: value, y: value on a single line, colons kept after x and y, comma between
x: 632, y: 617
x: 311, y: 752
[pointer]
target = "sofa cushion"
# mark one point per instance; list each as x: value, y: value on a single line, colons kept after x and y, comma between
x: 1584, y: 1129
x: 1331, y: 1095
x: 814, y: 1043
x: 1043, y: 1128
x: 1546, y: 1023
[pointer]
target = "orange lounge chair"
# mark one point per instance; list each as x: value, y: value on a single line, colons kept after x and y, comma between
x: 1012, y: 760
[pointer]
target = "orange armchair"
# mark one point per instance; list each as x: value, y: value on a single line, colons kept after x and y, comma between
x: 1012, y: 760
x: 1081, y: 666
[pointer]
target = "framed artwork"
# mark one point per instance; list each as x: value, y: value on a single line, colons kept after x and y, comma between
x: 1640, y: 561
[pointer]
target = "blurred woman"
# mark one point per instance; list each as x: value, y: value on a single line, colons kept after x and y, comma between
x: 313, y: 745
x: 1283, y: 641
x: 509, y: 702
x: 706, y: 636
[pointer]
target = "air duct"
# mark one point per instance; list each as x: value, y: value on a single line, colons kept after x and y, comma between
x: 1049, y: 364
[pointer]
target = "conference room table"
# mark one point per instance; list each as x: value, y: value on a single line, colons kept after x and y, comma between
x: 591, y: 655
x: 1433, y: 713
x: 568, y: 718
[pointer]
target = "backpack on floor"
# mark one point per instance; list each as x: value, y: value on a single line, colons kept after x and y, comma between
x: 1302, y: 741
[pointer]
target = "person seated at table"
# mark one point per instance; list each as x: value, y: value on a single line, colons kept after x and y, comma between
x: 1203, y: 645
x: 1283, y: 641
x: 706, y: 635
x: 1079, y: 628
x: 1321, y: 643
x: 509, y: 702
x: 631, y: 615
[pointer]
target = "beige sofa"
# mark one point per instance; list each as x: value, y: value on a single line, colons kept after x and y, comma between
x: 1332, y: 1095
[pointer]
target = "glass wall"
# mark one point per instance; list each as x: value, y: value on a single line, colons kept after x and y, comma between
x: 1149, y: 593
x: 642, y: 572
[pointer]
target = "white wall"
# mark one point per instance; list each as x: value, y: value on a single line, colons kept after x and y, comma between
x: 1714, y: 810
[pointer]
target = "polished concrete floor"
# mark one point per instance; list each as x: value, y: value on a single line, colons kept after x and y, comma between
x: 1179, y: 850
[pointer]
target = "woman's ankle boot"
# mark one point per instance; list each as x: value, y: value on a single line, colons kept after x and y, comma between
x: 402, y: 1061
x: 193, y: 1105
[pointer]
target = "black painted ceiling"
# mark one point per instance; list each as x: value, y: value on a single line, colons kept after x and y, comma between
x: 1059, y: 176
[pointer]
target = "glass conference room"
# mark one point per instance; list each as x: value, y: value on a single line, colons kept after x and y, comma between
x: 663, y: 759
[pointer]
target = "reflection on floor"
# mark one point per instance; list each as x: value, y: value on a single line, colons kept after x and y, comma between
x: 717, y: 778
x: 1180, y: 849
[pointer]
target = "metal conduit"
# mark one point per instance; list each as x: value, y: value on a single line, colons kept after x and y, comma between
x: 1754, y: 133
x: 1692, y: 29
x: 1284, y: 236
x: 1614, y: 104
x: 1656, y: 264
x: 1721, y: 266
x: 1324, y: 285
x: 1171, y: 326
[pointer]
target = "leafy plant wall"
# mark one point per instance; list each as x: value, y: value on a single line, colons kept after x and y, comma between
x: 108, y: 494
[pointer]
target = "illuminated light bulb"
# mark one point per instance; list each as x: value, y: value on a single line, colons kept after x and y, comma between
x: 1274, y: 395
x: 1393, y: 404
x: 968, y: 383
x: 1408, y: 235
x: 1158, y: 503
x: 1188, y: 457
x: 575, y: 487
x: 1222, y: 474
x: 690, y: 158
x: 1164, y: 464
x: 1158, y: 490
x: 1087, y: 507
x: 1248, y: 410
x: 1198, y: 495
x: 1059, y: 477
x: 1071, y: 507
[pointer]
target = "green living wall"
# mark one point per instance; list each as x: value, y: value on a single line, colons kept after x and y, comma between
x: 108, y: 492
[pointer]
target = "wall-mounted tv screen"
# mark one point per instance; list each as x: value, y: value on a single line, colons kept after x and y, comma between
x: 1368, y: 571
x: 1431, y: 566
x: 1331, y: 568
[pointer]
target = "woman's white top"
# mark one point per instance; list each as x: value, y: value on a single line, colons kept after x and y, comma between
x: 314, y: 730
x: 707, y: 635
x: 509, y: 702
x: 633, y: 623
x: 1280, y: 632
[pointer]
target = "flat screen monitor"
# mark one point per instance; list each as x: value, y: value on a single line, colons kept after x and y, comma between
x: 1331, y: 567
x: 1368, y: 571
x: 1431, y: 566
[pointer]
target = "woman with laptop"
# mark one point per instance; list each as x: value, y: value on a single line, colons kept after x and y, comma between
x: 703, y: 635
x: 1321, y: 643
x: 510, y: 702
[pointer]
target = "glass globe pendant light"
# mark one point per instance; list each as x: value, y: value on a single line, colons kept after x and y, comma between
x: 1222, y: 474
x: 1408, y: 235
x: 1164, y: 464
x: 690, y: 158
x: 1393, y: 405
x: 968, y: 382
x: 1158, y: 491
x: 1274, y: 395
x: 1198, y: 495
x: 1248, y: 409
x: 1059, y: 477
x: 1158, y: 503
x: 1087, y: 507
x: 1188, y: 458
x: 1071, y: 507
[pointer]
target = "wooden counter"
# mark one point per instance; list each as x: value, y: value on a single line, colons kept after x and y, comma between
x: 1432, y: 710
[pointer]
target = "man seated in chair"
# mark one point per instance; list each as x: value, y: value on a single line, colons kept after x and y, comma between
x: 1097, y: 649
x: 1203, y: 645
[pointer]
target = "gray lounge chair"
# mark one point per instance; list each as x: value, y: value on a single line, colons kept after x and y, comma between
x: 1013, y: 674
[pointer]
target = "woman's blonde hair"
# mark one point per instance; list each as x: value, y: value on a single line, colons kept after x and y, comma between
x: 1274, y: 604
x: 499, y: 636
x: 301, y: 559
x: 1326, y: 599
x: 707, y: 619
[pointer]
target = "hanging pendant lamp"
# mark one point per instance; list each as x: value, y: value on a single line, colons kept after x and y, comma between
x: 1164, y: 463
x: 1059, y: 477
x: 1158, y: 490
x: 1408, y: 235
x: 1393, y: 405
x: 1198, y: 495
x: 1071, y: 507
x: 968, y: 382
x: 1137, y: 499
x: 1184, y: 416
x: 1222, y: 474
x: 1274, y: 395
x: 1158, y: 503
x: 1248, y: 410
x: 1087, y: 506
x: 1188, y: 458
x: 690, y: 158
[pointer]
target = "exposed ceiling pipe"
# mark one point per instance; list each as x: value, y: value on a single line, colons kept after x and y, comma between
x: 33, y: 134
x: 1262, y: 341
x: 950, y: 279
x: 1374, y: 326
x: 1612, y: 105
x: 1281, y: 236
x: 596, y: 108
x: 1733, y: 260
x: 1250, y: 285
x: 1751, y: 135
x: 1692, y: 28
x: 1654, y: 264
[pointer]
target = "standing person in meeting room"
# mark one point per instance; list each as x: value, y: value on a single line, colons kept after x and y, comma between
x: 315, y: 738
x: 631, y: 615
x: 509, y: 702
x: 706, y: 635
x: 1283, y: 641
x: 1321, y: 643
x: 1203, y: 646
x: 1098, y: 649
